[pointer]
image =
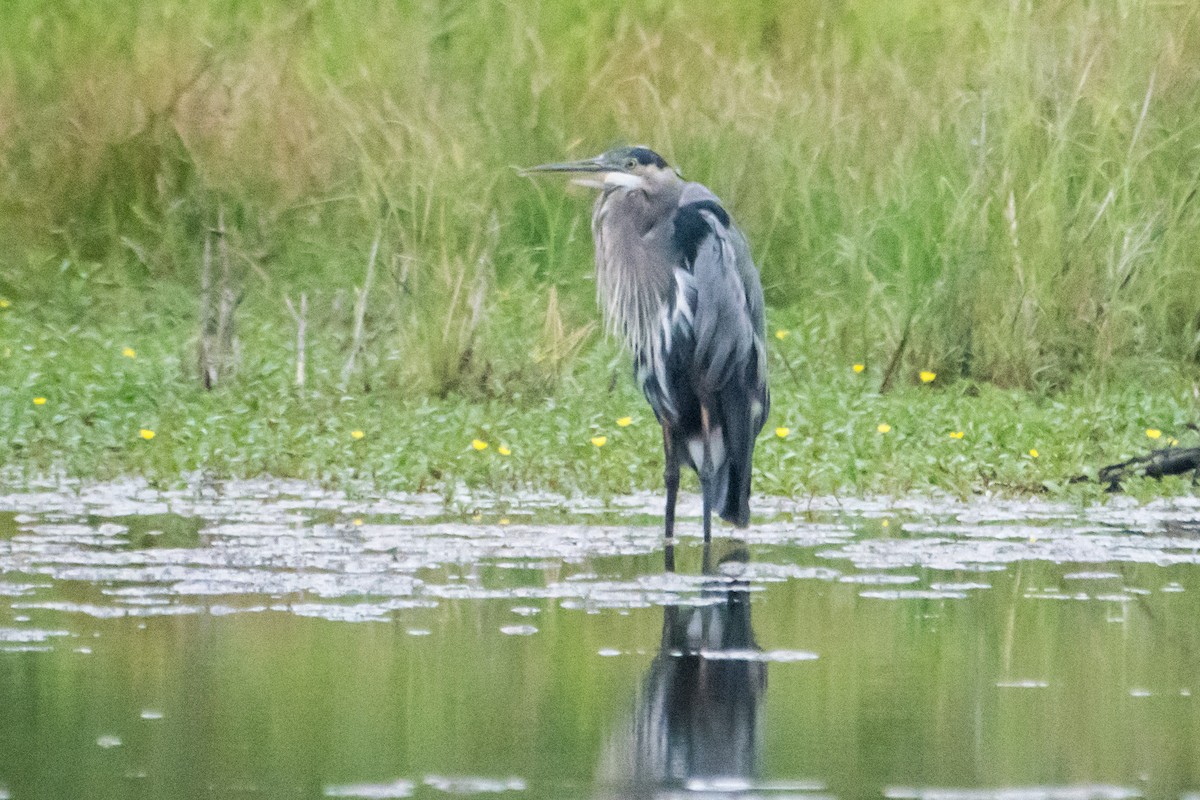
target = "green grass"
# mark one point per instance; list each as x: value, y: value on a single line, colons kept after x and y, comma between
x: 1012, y: 184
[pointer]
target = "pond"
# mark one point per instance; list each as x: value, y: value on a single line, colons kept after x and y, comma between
x: 267, y: 639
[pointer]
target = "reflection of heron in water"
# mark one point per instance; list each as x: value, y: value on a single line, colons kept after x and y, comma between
x: 697, y: 714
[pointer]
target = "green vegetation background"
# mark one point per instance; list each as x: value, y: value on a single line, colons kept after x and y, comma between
x: 1004, y: 193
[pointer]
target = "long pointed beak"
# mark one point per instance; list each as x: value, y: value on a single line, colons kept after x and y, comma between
x: 586, y: 165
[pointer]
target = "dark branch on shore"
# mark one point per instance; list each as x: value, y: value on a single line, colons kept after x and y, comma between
x: 1157, y: 464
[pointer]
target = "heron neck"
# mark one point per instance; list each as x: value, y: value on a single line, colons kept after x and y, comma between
x: 635, y: 258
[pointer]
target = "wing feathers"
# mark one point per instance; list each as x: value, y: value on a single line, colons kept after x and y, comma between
x: 727, y: 370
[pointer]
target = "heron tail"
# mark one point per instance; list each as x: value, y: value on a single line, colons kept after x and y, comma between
x: 735, y: 505
x: 731, y: 487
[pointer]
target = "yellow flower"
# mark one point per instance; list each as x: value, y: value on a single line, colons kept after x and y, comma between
x: 146, y: 434
x: 1033, y: 453
x: 504, y: 451
x: 4, y: 303
x: 129, y: 352
x: 39, y: 401
x: 956, y: 434
x: 1153, y: 433
x: 504, y: 520
x: 358, y: 520
x: 883, y: 427
x: 599, y: 441
x: 1172, y: 441
x: 781, y: 334
x: 782, y: 432
x: 885, y: 523
x: 357, y: 434
x: 859, y: 367
x: 927, y: 376
x: 479, y: 444
x: 624, y: 422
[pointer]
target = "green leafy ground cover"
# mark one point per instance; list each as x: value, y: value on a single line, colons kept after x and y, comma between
x: 107, y: 385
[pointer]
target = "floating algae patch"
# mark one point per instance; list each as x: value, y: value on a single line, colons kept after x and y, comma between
x: 9, y: 524
x: 135, y: 550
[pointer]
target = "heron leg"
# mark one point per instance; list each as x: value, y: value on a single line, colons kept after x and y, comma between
x: 671, y: 479
x: 706, y: 474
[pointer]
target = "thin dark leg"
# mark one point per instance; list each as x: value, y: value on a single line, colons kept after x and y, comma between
x: 669, y: 556
x: 671, y: 478
x: 706, y: 474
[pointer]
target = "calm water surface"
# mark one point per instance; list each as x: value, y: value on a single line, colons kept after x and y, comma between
x: 267, y: 640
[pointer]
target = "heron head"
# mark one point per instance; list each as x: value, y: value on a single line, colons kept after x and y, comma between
x: 628, y: 167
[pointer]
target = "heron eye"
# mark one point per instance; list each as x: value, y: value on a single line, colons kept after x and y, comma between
x: 631, y: 163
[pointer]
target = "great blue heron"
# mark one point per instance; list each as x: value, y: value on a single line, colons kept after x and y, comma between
x: 675, y: 280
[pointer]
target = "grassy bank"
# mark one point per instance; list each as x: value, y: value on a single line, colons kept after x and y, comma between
x: 1000, y: 193
x: 106, y: 398
x: 1012, y: 183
